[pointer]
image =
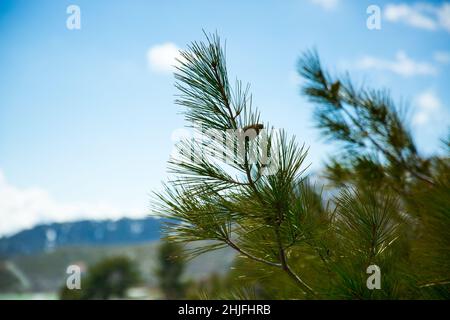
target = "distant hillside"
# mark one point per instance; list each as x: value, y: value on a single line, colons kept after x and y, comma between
x: 36, y: 260
x: 46, y: 271
x: 46, y: 238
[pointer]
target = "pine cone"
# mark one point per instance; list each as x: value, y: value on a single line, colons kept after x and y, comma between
x: 257, y: 127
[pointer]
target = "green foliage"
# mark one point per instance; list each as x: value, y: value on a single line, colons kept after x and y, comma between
x: 68, y: 294
x: 367, y: 124
x: 205, y: 202
x: 9, y: 282
x: 390, y: 206
x: 109, y: 278
x: 170, y: 270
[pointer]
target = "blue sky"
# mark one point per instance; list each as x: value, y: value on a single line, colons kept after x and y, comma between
x: 86, y: 116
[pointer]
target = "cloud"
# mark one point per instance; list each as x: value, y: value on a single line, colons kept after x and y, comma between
x: 410, y: 15
x: 162, y: 57
x: 326, y: 4
x: 444, y: 16
x: 429, y: 107
x: 442, y: 57
x: 22, y: 208
x: 420, y: 15
x: 402, y: 65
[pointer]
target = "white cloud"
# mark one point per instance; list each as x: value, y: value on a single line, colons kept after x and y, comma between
x: 420, y: 15
x: 409, y: 15
x: 162, y: 57
x: 22, y: 208
x: 442, y: 57
x: 428, y: 101
x: 428, y: 107
x: 402, y: 65
x: 444, y: 16
x: 326, y: 4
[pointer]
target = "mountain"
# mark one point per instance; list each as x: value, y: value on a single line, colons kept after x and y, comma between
x: 36, y: 260
x: 45, y: 238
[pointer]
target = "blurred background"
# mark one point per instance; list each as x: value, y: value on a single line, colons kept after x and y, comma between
x: 87, y: 121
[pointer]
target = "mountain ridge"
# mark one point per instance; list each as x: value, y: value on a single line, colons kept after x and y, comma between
x: 48, y: 237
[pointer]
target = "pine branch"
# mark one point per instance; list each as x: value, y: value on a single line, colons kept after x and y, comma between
x: 204, y: 200
x: 359, y: 117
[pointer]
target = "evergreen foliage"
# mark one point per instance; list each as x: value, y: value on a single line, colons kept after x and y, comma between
x: 170, y: 270
x: 391, y: 206
x: 109, y: 278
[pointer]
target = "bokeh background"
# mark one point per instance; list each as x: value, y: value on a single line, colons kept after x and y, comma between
x: 87, y: 118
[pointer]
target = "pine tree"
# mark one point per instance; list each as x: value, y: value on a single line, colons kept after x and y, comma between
x: 240, y: 184
x: 108, y: 278
x: 170, y: 270
x: 380, y: 151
